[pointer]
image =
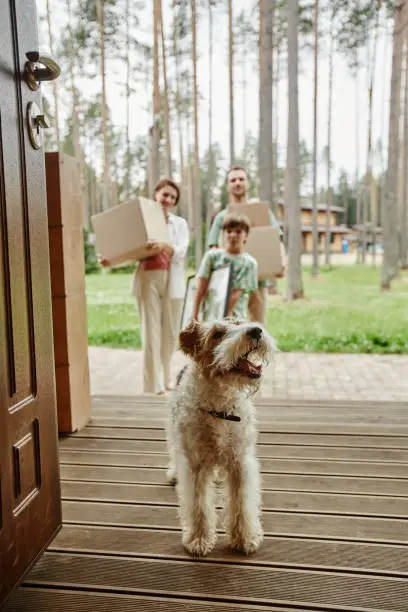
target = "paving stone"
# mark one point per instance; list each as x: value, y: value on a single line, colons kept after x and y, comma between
x: 290, y: 375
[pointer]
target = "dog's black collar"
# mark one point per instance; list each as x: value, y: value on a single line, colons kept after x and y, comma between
x: 223, y: 415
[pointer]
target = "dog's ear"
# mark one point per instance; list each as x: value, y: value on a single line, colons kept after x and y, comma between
x: 191, y: 338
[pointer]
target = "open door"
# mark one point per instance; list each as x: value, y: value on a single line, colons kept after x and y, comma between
x: 30, y: 506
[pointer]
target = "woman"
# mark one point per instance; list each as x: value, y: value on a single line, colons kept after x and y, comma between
x: 159, y: 285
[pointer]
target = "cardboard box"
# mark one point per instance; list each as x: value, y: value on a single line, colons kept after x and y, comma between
x: 70, y: 329
x: 64, y: 200
x: 73, y: 396
x: 257, y: 212
x: 122, y: 232
x: 264, y: 244
x: 66, y: 245
x: 67, y: 261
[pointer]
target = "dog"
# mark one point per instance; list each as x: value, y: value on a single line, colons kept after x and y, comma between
x: 211, y: 431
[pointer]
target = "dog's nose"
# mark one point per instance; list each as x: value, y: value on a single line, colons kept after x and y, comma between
x: 255, y: 333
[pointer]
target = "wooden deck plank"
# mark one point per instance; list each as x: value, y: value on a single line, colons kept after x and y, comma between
x: 296, y: 414
x: 268, y: 425
x: 130, y: 401
x: 276, y: 551
x: 264, y: 450
x: 31, y: 599
x: 277, y: 439
x: 245, y: 584
x: 279, y: 482
x: 296, y: 524
x: 335, y: 515
x: 324, y: 467
x: 164, y: 495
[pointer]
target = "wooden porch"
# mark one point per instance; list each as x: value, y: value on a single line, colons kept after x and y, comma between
x: 335, y: 480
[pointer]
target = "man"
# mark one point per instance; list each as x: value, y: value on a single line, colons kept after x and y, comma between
x: 235, y: 230
x: 237, y: 183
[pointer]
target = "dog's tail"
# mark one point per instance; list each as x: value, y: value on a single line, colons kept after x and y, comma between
x: 180, y: 375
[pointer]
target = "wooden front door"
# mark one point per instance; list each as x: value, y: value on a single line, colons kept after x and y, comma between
x: 30, y: 506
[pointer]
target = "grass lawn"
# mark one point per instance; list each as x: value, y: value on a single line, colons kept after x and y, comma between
x: 344, y: 312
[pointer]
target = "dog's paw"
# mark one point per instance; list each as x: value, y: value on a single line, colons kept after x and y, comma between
x: 171, y: 476
x: 199, y: 546
x: 248, y: 543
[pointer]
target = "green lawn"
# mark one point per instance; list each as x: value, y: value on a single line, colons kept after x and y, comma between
x: 344, y: 312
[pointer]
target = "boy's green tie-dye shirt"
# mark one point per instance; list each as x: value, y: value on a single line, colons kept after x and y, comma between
x: 244, y: 275
x: 216, y: 230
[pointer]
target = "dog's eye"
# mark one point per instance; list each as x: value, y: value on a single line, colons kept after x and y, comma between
x: 217, y: 335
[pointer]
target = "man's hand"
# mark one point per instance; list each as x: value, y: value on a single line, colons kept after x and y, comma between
x: 283, y: 257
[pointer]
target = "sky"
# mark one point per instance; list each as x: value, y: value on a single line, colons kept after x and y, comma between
x: 344, y: 126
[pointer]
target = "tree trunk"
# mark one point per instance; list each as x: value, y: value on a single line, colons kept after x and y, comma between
x: 106, y: 177
x: 210, y: 169
x: 155, y: 129
x: 358, y: 190
x: 104, y: 117
x: 389, y: 216
x: 127, y: 159
x: 276, y: 193
x: 79, y: 155
x: 231, y: 83
x: 244, y: 93
x: 369, y: 173
x: 315, y: 264
x: 265, y: 150
x: 383, y: 133
x: 329, y: 145
x: 294, y: 285
x: 178, y: 89
x: 404, y: 215
x: 167, y: 126
x: 189, y: 136
x: 197, y: 185
x: 54, y: 83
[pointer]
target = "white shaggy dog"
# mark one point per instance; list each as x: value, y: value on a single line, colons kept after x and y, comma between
x: 211, y: 430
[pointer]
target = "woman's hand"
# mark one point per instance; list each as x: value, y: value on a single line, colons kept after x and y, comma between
x: 105, y: 263
x: 160, y: 247
x: 167, y: 248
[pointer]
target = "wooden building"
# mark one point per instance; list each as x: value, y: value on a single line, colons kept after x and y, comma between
x: 338, y: 231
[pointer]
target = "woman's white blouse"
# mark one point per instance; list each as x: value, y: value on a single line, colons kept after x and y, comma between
x: 179, y: 239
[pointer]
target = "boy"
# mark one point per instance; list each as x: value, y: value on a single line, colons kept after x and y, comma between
x: 244, y: 267
x: 238, y: 187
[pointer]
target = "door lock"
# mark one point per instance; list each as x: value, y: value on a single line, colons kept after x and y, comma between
x: 35, y: 74
x: 36, y: 123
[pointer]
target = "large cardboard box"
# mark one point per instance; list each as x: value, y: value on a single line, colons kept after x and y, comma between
x: 264, y: 244
x: 257, y: 212
x: 66, y: 245
x: 70, y: 329
x: 121, y: 233
x: 67, y: 260
x: 64, y: 200
x: 73, y: 395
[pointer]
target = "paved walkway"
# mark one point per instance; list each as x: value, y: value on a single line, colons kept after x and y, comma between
x: 292, y: 375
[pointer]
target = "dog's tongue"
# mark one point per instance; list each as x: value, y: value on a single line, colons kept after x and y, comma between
x: 250, y: 367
